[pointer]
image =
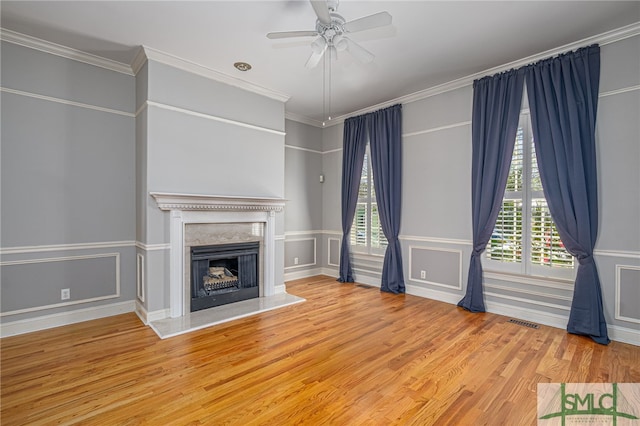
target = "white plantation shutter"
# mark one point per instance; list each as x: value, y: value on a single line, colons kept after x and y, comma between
x: 547, y: 248
x: 378, y: 240
x: 366, y: 230
x: 359, y: 226
x: 515, y: 182
x: 505, y: 244
x: 526, y: 238
x: 506, y: 241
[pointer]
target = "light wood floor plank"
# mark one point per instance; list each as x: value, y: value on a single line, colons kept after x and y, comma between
x: 349, y: 355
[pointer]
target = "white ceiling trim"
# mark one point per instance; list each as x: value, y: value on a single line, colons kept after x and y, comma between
x: 602, y: 39
x: 143, y: 55
x: 302, y: 119
x: 192, y: 67
x: 63, y: 51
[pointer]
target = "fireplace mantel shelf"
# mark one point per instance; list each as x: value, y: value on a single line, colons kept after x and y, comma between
x: 173, y: 201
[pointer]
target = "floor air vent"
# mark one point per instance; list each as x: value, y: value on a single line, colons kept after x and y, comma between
x: 524, y: 323
x: 363, y: 286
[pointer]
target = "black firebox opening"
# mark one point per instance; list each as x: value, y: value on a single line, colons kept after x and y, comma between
x: 224, y: 273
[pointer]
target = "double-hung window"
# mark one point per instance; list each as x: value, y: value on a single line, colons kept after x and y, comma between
x: 366, y: 231
x: 525, y: 239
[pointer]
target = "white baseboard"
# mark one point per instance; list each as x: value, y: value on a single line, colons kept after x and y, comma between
x: 147, y: 317
x: 525, y: 314
x: 280, y: 289
x: 624, y: 335
x: 329, y: 271
x: 368, y: 280
x: 617, y: 333
x: 306, y: 273
x: 44, y: 322
x: 159, y: 314
x: 429, y: 293
x: 141, y: 312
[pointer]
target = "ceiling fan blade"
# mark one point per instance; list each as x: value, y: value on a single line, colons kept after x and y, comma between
x: 322, y: 11
x: 314, y: 59
x: 288, y: 34
x: 367, y: 22
x: 359, y: 52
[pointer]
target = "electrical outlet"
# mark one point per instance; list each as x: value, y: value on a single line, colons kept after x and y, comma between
x: 423, y: 275
x: 65, y: 294
x: 295, y: 260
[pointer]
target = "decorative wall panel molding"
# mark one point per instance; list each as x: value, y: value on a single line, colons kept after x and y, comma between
x: 113, y: 295
x: 304, y: 265
x: 628, y: 298
x: 456, y: 256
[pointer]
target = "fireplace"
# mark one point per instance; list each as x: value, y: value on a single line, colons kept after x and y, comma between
x: 207, y: 220
x: 224, y: 273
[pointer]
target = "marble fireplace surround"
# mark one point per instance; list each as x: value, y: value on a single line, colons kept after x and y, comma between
x: 189, y: 209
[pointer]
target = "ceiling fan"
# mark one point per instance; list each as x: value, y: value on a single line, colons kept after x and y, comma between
x: 331, y: 32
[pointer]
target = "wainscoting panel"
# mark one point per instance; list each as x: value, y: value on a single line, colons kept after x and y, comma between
x: 436, y: 266
x: 300, y: 252
x: 140, y: 276
x: 36, y: 284
x: 628, y: 293
x: 333, y: 252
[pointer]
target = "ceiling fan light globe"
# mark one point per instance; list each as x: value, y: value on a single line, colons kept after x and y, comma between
x: 318, y: 45
x: 340, y: 43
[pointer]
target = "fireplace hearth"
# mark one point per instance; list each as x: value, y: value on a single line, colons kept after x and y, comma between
x: 224, y: 273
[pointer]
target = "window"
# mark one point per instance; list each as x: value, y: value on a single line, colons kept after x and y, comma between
x: 525, y: 239
x: 366, y: 230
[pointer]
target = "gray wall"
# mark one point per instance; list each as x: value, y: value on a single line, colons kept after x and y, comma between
x: 68, y: 184
x: 199, y: 136
x: 436, y: 207
x: 618, y: 137
x: 303, y: 192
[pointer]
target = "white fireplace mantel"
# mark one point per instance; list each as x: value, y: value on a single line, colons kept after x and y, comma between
x: 195, y: 208
x: 172, y: 201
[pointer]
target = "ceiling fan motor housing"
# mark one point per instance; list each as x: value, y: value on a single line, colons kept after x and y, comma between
x: 333, y: 32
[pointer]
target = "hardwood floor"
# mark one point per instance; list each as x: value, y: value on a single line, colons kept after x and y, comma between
x: 349, y: 355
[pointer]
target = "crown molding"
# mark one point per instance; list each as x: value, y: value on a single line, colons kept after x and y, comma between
x: 138, y: 61
x: 192, y: 67
x: 609, y: 37
x: 302, y: 119
x: 63, y: 51
x: 144, y: 53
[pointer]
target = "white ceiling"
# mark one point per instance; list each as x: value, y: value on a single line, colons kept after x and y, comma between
x: 429, y: 42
